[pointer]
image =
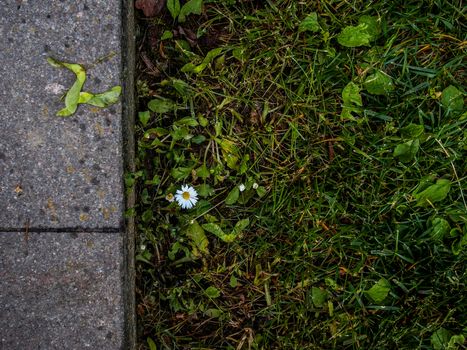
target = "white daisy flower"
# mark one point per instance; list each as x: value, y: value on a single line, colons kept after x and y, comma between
x: 170, y: 197
x: 255, y: 186
x: 241, y: 188
x: 186, y: 197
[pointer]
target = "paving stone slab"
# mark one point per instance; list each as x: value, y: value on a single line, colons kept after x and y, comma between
x: 61, y: 291
x: 59, y: 172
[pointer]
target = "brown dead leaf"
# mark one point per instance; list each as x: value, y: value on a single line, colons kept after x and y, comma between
x: 150, y: 8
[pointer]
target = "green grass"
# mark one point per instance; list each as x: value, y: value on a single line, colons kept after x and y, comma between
x: 335, y: 211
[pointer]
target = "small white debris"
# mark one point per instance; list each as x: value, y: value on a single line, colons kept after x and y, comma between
x: 55, y: 88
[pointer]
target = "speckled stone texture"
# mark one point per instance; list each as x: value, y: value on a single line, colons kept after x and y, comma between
x: 59, y: 172
x: 60, y: 291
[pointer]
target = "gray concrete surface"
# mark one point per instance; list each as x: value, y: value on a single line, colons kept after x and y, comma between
x: 66, y: 252
x: 56, y: 172
x: 61, y: 291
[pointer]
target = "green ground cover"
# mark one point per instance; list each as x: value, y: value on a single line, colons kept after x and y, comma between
x: 327, y: 143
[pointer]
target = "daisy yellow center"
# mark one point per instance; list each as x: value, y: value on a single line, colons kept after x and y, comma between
x: 186, y: 195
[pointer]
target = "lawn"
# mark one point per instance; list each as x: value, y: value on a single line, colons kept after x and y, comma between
x: 326, y: 143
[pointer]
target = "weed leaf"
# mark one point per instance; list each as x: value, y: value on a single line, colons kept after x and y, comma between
x: 191, y: 7
x: 144, y: 117
x: 373, y: 25
x: 310, y: 23
x: 452, y: 99
x: 352, y: 101
x: 439, y: 228
x: 412, y: 131
x: 318, y: 296
x: 434, y: 193
x: 351, y: 95
x: 458, y: 245
x: 354, y: 36
x: 232, y: 197
x: 205, y: 190
x: 151, y: 344
x: 407, y: 151
x: 161, y: 105
x: 212, y: 292
x: 440, y: 339
x: 203, y: 172
x: 217, y: 231
x: 181, y: 173
x: 379, y: 291
x: 199, y: 241
x: 378, y: 84
x: 174, y: 7
x: 240, y: 226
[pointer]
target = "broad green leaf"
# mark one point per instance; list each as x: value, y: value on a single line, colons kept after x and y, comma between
x: 261, y: 191
x: 198, y: 238
x: 215, y: 313
x: 440, y: 339
x: 233, y: 281
x: 212, y: 292
x: 318, y: 296
x: 424, y: 183
x: 232, y: 197
x: 212, y: 54
x: 434, y: 193
x: 240, y: 226
x: 167, y: 33
x: 181, y: 173
x: 191, y: 7
x: 191, y: 67
x: 455, y: 341
x: 151, y: 344
x: 354, y: 36
x: 439, y: 228
x: 351, y: 95
x: 452, y: 99
x: 379, y: 291
x: 412, y: 131
x: 205, y: 190
x: 198, y: 139
x: 147, y: 216
x: 214, y: 229
x: 373, y: 25
x: 310, y: 23
x: 240, y: 54
x: 407, y: 151
x: 378, y: 84
x: 217, y: 231
x: 352, y: 101
x: 182, y: 87
x: 180, y: 133
x: 203, y: 172
x: 459, y: 245
x: 188, y: 121
x: 161, y: 105
x: 144, y: 117
x: 103, y: 99
x: 230, y: 152
x: 174, y: 7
